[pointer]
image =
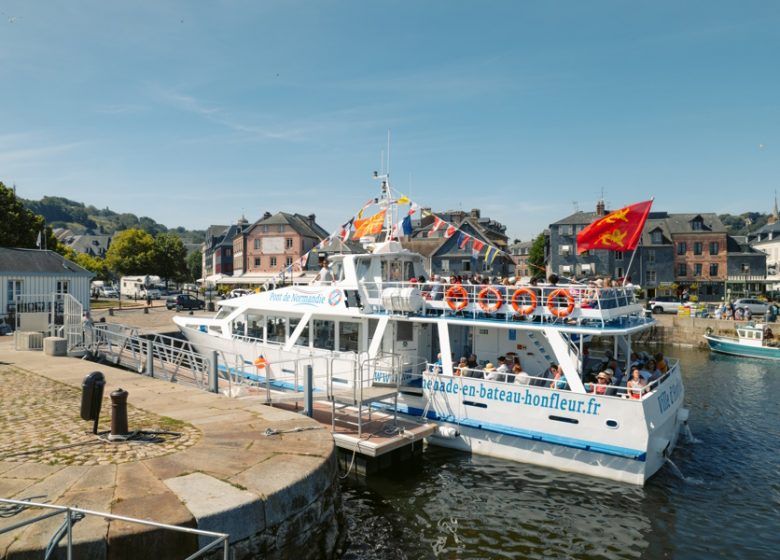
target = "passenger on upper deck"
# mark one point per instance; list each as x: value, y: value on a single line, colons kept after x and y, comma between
x: 462, y: 366
x: 502, y: 367
x: 324, y: 276
x: 491, y: 374
x: 473, y: 368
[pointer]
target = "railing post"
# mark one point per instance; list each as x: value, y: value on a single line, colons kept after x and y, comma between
x: 308, y: 384
x: 70, y: 535
x: 214, y: 372
x: 150, y: 358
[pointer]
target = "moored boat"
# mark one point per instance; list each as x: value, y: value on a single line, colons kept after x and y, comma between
x: 384, y: 337
x: 752, y: 341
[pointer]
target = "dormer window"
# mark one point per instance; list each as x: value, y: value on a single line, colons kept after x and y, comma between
x: 656, y: 238
x: 697, y: 224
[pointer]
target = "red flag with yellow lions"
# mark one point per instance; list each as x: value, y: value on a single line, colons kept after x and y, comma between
x: 369, y: 226
x: 617, y: 231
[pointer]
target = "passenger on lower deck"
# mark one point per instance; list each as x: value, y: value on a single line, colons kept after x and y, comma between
x: 636, y: 385
x: 521, y: 377
x: 558, y: 379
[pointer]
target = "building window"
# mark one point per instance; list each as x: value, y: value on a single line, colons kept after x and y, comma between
x: 14, y: 290
x: 257, y: 244
x: 697, y: 269
x: 681, y: 248
x: 651, y: 256
x: 62, y: 287
x: 713, y: 269
x: 656, y: 238
x: 697, y: 225
x: 288, y: 243
x: 257, y: 261
x: 265, y: 228
x: 650, y: 277
x: 564, y: 249
x: 465, y: 266
x: 619, y: 272
x: 281, y: 228
x: 273, y: 262
x: 618, y: 255
x: 697, y: 247
x: 288, y: 261
x: 445, y: 265
x: 745, y: 268
x: 714, y: 247
x: 681, y: 269
x: 564, y: 229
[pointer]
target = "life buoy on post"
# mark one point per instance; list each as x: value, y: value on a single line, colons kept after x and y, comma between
x: 524, y: 309
x: 483, y: 299
x: 558, y: 311
x: 457, y: 297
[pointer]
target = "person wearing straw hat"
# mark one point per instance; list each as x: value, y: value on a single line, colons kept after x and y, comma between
x: 602, y: 384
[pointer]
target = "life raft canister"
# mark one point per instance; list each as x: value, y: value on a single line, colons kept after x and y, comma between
x: 484, y: 297
x: 524, y: 309
x: 260, y: 362
x: 558, y: 311
x: 457, y: 297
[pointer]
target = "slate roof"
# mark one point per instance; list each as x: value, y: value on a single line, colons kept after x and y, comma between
x: 95, y: 245
x: 738, y: 244
x: 34, y: 261
x: 579, y: 218
x: 681, y: 223
x: 299, y: 223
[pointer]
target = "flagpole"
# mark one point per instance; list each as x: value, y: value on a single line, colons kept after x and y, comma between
x: 631, y: 261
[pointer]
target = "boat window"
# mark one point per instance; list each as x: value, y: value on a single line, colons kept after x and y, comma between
x: 372, y: 325
x: 324, y: 334
x: 223, y: 312
x: 238, y: 327
x: 395, y: 271
x: 404, y: 331
x: 215, y: 329
x: 337, y: 270
x: 383, y: 270
x: 254, y: 325
x: 349, y: 336
x: 362, y: 268
x: 275, y: 329
x: 303, y: 340
x: 409, y: 270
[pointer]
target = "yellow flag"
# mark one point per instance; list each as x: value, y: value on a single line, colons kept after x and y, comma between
x: 404, y: 200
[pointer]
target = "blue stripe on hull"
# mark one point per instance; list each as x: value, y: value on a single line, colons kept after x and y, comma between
x: 624, y: 452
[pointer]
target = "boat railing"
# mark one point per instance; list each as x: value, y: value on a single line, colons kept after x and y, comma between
x: 548, y: 303
x: 523, y: 378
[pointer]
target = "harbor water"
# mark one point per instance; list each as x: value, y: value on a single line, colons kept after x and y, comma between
x: 720, y: 498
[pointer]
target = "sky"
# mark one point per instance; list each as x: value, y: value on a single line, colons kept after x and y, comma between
x: 196, y: 113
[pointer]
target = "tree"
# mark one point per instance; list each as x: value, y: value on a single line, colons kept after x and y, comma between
x: 132, y: 251
x: 88, y: 262
x: 536, y: 258
x: 170, y: 258
x: 195, y: 265
x: 19, y: 227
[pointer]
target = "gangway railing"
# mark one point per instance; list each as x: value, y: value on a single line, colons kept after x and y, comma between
x: 73, y: 513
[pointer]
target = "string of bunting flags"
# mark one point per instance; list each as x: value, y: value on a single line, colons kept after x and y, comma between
x: 358, y: 226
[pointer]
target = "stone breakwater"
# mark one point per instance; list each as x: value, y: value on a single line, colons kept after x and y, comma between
x: 267, y: 477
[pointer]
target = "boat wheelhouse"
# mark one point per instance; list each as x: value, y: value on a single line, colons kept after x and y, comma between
x: 385, y: 339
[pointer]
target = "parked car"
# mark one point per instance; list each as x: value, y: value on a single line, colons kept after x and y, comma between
x: 663, y: 304
x: 239, y: 292
x: 756, y: 306
x: 184, y: 301
x: 108, y: 292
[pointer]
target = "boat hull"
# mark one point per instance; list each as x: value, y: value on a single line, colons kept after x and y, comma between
x: 731, y: 346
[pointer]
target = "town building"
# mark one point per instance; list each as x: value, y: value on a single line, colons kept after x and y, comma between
x: 746, y: 269
x: 444, y: 255
x: 92, y: 245
x: 217, y: 251
x: 678, y: 253
x: 33, y: 276
x: 520, y: 251
x: 767, y: 240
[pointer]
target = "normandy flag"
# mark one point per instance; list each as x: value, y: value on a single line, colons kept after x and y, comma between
x: 617, y: 231
x: 369, y: 226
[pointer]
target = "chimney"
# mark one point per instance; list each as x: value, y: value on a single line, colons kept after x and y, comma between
x: 475, y: 213
x: 600, y: 208
x: 266, y: 215
x: 312, y: 218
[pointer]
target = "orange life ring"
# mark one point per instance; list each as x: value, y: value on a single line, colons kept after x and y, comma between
x: 482, y: 299
x: 457, y: 297
x: 260, y: 362
x: 554, y: 309
x: 524, y: 310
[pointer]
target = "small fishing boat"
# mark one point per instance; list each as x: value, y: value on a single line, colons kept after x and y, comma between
x: 753, y: 341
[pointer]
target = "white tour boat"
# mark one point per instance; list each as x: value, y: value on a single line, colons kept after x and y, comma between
x: 383, y: 341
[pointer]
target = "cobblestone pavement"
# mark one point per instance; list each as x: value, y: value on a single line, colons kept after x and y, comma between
x: 41, y: 423
x: 156, y: 319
